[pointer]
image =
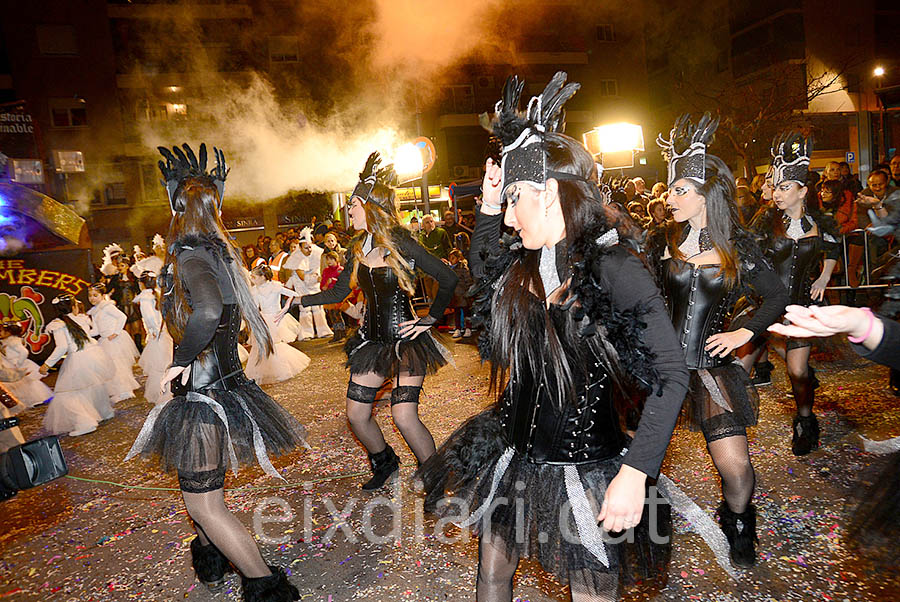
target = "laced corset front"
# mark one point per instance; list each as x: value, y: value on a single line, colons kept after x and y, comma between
x: 699, y: 302
x: 387, y: 304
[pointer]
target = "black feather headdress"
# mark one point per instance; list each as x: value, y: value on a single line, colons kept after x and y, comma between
x: 790, y: 158
x: 180, y: 165
x: 524, y: 156
x: 371, y: 174
x: 685, y: 150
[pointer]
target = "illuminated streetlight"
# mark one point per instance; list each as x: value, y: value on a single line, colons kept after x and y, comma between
x: 617, y: 141
x: 408, y: 162
x: 879, y: 71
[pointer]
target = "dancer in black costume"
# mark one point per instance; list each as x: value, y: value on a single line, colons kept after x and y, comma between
x: 567, y: 313
x: 796, y: 237
x: 391, y: 343
x: 218, y: 417
x: 704, y: 258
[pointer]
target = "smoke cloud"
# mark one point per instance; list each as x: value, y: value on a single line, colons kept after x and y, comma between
x: 377, y: 62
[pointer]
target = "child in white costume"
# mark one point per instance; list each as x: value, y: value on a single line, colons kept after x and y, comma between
x: 158, y: 348
x: 80, y: 397
x: 304, y: 267
x: 29, y: 390
x: 285, y: 362
x: 109, y: 325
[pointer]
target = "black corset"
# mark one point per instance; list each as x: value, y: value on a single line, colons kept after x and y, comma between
x: 576, y: 431
x: 387, y: 305
x: 699, y: 301
x: 217, y: 366
x: 794, y: 261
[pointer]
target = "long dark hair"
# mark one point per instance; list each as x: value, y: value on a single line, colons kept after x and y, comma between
x: 200, y: 218
x: 723, y: 220
x: 519, y: 316
x: 64, y: 306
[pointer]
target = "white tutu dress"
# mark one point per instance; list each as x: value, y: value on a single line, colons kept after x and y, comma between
x: 80, y: 397
x: 304, y: 280
x: 108, y: 320
x: 285, y: 362
x: 158, y: 350
x: 29, y: 390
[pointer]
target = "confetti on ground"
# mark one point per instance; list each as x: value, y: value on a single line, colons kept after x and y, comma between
x: 86, y: 541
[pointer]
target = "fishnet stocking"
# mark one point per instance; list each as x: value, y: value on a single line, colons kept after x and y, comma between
x: 731, y: 456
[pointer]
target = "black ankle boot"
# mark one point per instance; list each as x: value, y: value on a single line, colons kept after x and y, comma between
x: 274, y: 588
x: 806, y: 435
x: 762, y: 374
x: 209, y: 564
x: 384, y: 464
x: 740, y: 530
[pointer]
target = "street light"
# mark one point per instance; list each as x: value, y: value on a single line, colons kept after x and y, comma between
x: 408, y: 162
x: 614, y: 144
x: 879, y: 71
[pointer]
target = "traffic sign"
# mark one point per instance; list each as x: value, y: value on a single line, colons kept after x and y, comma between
x: 851, y: 157
x: 429, y: 155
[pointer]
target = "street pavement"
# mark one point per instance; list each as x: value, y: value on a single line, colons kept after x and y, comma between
x: 118, y: 531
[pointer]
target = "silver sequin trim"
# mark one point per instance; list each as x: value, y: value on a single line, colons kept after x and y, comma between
x: 589, y: 532
x: 691, y: 244
x: 700, y: 522
x: 608, y: 238
x: 714, y: 391
x: 549, y: 275
x: 499, y: 471
x: 887, y: 446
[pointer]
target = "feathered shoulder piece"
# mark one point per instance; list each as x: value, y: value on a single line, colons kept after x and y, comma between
x: 182, y: 164
x: 523, y: 158
x: 685, y: 150
x: 624, y: 329
x: 790, y: 158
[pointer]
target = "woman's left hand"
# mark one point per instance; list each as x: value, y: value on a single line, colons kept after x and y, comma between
x: 410, y: 329
x: 723, y: 343
x: 623, y: 503
x: 817, y: 290
x: 112, y: 336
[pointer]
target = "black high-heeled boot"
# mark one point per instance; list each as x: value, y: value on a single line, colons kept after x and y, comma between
x: 384, y: 464
x: 762, y: 374
x: 273, y: 588
x: 209, y: 564
x: 806, y: 435
x: 741, y: 537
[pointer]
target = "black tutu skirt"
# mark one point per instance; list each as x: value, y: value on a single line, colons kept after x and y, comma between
x: 536, y: 519
x: 721, y: 402
x: 874, y: 529
x: 423, y: 355
x: 216, y: 427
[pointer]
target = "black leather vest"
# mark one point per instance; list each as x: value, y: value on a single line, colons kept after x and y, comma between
x: 794, y: 261
x: 699, y: 303
x: 217, y: 366
x: 387, y: 305
x: 585, y: 429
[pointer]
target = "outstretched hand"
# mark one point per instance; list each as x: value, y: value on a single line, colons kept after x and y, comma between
x: 815, y: 321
